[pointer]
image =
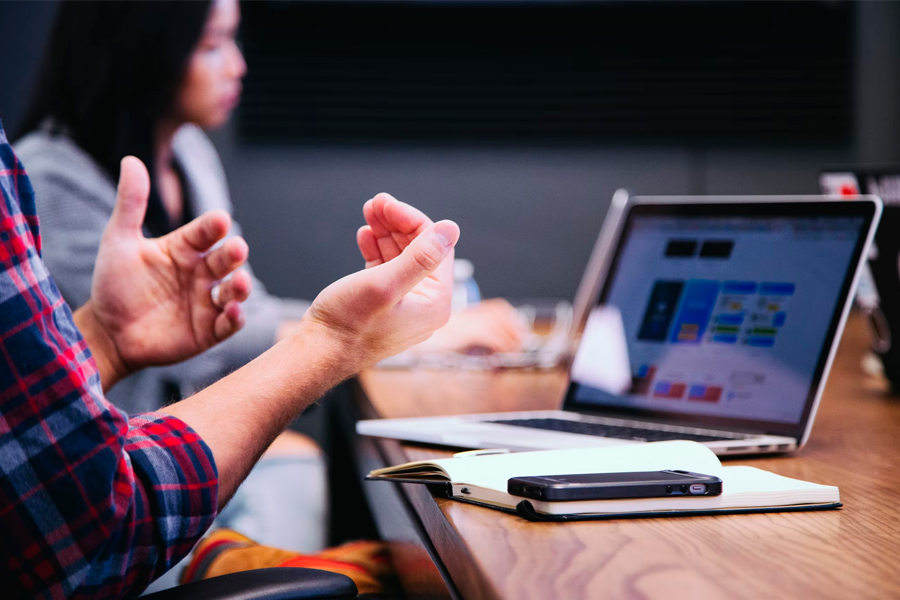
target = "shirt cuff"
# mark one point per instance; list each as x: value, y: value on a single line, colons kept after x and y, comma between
x: 180, y: 481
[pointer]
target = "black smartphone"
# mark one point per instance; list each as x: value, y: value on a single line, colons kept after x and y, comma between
x: 612, y: 486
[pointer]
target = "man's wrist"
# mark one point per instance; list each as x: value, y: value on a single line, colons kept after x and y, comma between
x: 335, y: 351
x: 109, y: 363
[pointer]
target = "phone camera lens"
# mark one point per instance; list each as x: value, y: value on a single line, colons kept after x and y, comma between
x: 668, y: 489
x: 684, y: 489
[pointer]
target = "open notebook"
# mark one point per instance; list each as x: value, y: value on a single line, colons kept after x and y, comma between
x: 482, y: 479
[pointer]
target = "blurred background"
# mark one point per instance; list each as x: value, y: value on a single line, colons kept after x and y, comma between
x: 519, y: 119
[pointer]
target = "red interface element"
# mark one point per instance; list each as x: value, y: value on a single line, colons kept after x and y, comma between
x: 667, y: 389
x: 705, y: 393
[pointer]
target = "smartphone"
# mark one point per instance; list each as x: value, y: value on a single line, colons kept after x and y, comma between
x: 612, y: 486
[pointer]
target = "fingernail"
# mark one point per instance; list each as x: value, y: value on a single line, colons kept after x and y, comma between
x: 447, y: 233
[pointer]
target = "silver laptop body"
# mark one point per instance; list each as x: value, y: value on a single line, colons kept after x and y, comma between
x: 714, y: 319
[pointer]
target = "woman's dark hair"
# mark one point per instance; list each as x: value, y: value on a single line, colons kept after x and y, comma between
x: 110, y: 72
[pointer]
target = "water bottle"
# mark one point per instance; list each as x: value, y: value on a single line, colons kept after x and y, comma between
x: 465, y: 290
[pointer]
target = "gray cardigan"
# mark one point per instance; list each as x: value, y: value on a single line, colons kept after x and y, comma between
x: 75, y: 199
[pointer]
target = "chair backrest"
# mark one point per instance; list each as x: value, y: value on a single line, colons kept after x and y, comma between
x: 283, y: 583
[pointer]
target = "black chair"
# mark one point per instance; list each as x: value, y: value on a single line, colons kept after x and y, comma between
x: 283, y: 583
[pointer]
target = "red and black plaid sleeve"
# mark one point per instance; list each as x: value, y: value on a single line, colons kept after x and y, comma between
x: 92, y: 504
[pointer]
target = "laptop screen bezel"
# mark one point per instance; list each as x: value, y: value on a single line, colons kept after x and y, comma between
x: 750, y: 209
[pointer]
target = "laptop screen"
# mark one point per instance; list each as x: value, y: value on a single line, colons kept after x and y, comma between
x: 726, y: 312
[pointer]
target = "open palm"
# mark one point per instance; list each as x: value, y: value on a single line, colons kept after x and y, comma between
x: 152, y: 296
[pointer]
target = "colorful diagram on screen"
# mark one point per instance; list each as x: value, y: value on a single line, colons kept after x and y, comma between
x: 702, y: 311
x: 728, y: 312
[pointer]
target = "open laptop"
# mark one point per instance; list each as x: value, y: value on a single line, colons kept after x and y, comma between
x: 729, y: 313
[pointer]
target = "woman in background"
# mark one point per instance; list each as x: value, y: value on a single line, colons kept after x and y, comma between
x: 145, y: 79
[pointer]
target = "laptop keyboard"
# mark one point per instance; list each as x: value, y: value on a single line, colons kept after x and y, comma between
x: 610, y: 431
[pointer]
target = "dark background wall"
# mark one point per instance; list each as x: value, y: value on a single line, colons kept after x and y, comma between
x: 529, y: 209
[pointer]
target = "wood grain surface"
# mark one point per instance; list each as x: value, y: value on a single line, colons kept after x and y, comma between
x: 849, y: 553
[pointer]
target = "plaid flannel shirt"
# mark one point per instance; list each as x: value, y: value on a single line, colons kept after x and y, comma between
x: 93, y: 504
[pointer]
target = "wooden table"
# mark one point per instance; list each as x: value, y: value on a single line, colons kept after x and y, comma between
x: 449, y: 549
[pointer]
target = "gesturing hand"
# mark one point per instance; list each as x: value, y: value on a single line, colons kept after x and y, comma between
x: 404, y: 294
x: 150, y: 298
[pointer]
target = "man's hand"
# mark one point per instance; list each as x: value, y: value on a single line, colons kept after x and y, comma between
x: 494, y: 325
x: 151, y: 299
x: 404, y: 294
x: 398, y: 301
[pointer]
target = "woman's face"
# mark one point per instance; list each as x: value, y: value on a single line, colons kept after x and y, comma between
x: 211, y: 88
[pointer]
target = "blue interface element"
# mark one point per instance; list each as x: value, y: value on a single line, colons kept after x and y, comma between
x: 696, y: 308
x: 760, y: 341
x: 730, y: 319
x: 739, y: 287
x: 777, y: 289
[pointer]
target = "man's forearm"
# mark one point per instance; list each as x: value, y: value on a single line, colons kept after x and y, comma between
x: 240, y: 415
